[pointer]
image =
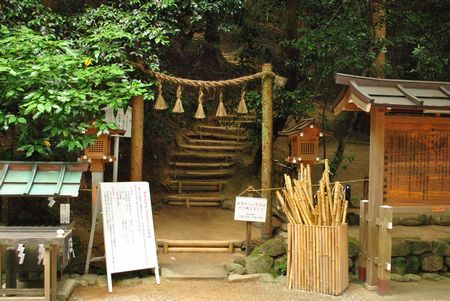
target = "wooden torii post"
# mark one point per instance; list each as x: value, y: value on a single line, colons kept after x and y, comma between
x: 268, y: 79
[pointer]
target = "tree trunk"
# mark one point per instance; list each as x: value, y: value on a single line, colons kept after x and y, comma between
x: 339, y: 154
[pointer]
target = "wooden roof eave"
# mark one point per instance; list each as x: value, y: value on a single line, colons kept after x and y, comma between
x: 353, y: 100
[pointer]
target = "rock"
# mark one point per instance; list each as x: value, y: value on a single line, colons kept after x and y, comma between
x: 273, y: 247
x: 399, y: 278
x: 281, y: 279
x: 413, y: 277
x: 353, y: 247
x: 418, y: 247
x: 73, y: 276
x: 242, y: 278
x: 399, y: 265
x: 240, y: 260
x: 352, y: 219
x: 234, y: 268
x: 130, y: 281
x: 433, y: 276
x: 256, y: 251
x: 432, y: 263
x: 400, y: 248
x: 101, y: 281
x: 266, y: 278
x: 444, y: 219
x: 412, y: 264
x: 440, y: 248
x: 350, y: 263
x: 87, y: 279
x: 411, y: 221
x: 444, y: 269
x: 258, y: 264
x: 280, y: 265
x: 447, y: 261
x: 396, y: 220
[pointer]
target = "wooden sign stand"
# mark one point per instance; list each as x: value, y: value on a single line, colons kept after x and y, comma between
x: 145, y: 244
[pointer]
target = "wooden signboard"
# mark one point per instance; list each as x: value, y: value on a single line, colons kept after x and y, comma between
x: 417, y: 161
x: 128, y: 228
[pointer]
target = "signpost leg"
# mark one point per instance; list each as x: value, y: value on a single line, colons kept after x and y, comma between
x: 116, y: 157
x: 158, y: 281
x: 249, y: 248
x: 109, y: 278
x: 93, y: 222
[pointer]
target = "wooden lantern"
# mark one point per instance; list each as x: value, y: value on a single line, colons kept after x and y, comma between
x: 99, y: 152
x: 304, y: 142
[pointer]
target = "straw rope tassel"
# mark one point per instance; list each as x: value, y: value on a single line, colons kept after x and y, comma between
x: 221, y: 111
x: 160, y: 103
x: 242, y: 108
x: 178, y: 107
x: 200, y: 114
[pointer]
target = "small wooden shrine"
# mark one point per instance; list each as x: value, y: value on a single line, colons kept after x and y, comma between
x: 409, y: 157
x: 409, y: 137
x: 304, y: 139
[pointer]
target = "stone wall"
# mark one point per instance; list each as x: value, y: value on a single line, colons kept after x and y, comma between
x: 412, y: 259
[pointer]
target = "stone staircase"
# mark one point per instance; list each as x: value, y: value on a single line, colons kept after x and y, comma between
x: 205, y: 159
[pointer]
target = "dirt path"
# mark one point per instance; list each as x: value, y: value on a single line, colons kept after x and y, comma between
x: 187, y: 290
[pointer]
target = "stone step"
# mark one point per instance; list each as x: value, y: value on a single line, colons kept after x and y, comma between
x: 195, y: 185
x: 196, y: 141
x: 202, y: 174
x: 222, y: 129
x: 201, y: 165
x: 211, y: 148
x: 204, y: 156
x: 211, y: 135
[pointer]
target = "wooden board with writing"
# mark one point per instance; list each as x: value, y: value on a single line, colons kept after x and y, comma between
x: 128, y: 228
x: 417, y: 161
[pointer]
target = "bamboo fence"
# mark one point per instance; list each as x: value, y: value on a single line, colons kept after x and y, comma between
x: 317, y: 233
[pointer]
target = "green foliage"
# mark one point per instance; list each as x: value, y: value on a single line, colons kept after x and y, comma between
x: 51, y: 92
x: 30, y: 13
x: 117, y: 33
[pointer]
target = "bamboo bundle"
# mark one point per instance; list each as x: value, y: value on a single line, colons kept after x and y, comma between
x: 327, y: 208
x: 317, y: 233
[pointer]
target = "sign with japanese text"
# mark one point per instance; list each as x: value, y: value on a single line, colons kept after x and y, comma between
x: 128, y: 227
x: 250, y: 209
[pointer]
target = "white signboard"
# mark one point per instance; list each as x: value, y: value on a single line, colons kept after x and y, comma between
x: 123, y: 119
x: 128, y: 228
x: 250, y: 209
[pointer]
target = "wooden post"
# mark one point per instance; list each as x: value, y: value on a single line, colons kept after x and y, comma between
x: 137, y: 138
x: 47, y: 273
x: 267, y: 147
x: 376, y: 186
x: 385, y: 238
x: 10, y: 267
x: 53, y: 272
x: 248, y: 238
x: 363, y: 211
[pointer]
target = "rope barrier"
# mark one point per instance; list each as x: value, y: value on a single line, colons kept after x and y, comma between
x: 278, y: 80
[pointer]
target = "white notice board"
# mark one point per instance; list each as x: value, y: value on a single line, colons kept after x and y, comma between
x: 128, y: 228
x: 250, y: 209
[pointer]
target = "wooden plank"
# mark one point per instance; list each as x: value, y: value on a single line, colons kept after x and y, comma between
x: 376, y: 183
x: 22, y: 298
x: 47, y: 272
x: 35, y: 292
x: 53, y: 272
x: 417, y: 160
x: 363, y: 230
x: 385, y: 238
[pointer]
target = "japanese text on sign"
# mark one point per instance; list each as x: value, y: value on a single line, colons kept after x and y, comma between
x: 128, y: 226
x: 250, y: 209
